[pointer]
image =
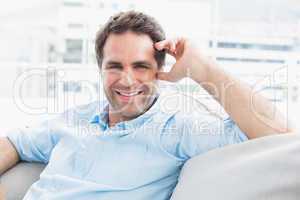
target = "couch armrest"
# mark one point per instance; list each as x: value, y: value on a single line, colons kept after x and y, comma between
x: 16, y: 181
x: 260, y: 169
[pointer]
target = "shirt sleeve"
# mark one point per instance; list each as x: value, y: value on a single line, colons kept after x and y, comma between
x: 35, y: 144
x: 191, y: 135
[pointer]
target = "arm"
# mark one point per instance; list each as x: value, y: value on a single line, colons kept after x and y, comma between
x: 253, y: 113
x: 8, y: 155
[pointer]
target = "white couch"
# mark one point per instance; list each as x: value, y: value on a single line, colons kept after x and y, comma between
x: 262, y: 169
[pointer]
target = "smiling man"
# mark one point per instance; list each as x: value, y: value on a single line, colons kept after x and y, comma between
x: 129, y: 71
x: 139, y: 148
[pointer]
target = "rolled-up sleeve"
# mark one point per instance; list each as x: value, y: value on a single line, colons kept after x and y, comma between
x: 233, y: 133
x: 215, y: 133
x: 196, y: 134
x: 35, y: 144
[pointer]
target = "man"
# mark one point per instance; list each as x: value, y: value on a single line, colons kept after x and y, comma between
x: 138, y: 149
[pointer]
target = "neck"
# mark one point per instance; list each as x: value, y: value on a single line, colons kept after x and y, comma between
x: 116, y: 117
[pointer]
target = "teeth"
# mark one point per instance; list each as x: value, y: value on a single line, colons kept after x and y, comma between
x: 129, y: 94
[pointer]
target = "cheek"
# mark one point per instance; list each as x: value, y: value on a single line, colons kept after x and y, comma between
x: 146, y: 76
x: 109, y: 79
x: 149, y: 80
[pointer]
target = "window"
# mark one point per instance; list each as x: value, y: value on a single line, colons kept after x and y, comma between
x: 268, y: 47
x: 72, y: 86
x: 72, y: 3
x: 250, y: 60
x: 73, y: 53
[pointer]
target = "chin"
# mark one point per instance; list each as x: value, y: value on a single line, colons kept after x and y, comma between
x: 130, y: 115
x: 132, y: 111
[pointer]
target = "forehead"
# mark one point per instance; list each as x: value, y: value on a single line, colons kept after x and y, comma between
x: 128, y: 46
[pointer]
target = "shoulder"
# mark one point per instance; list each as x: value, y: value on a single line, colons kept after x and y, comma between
x: 185, y: 110
x: 77, y: 114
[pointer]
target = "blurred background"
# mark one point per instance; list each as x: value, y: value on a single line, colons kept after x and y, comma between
x: 47, y: 57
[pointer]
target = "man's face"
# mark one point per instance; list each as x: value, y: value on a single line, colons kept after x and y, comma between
x: 129, y: 73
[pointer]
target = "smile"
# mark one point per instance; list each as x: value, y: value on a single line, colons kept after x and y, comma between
x: 128, y: 93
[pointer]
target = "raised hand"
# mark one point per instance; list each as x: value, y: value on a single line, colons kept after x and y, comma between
x: 190, y: 62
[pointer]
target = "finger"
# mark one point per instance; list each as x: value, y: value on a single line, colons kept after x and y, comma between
x: 164, y: 44
x: 170, y: 52
x: 174, y: 45
x: 160, y: 45
x: 169, y: 45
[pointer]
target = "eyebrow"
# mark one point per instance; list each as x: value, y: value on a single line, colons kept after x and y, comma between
x: 141, y: 62
x: 113, y: 63
x: 146, y: 63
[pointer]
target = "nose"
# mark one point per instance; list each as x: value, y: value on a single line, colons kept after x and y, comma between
x: 127, y: 78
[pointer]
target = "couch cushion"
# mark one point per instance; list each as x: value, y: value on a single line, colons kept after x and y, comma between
x: 262, y: 169
x: 17, y: 181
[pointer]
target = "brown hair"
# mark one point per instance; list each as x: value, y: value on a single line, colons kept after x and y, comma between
x: 136, y: 22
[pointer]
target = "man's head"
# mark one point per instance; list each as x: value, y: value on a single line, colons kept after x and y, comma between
x: 129, y: 62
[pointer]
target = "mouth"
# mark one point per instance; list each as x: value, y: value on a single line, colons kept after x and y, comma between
x: 127, y: 95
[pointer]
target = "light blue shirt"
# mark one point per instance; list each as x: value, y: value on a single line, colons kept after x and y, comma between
x: 136, y: 159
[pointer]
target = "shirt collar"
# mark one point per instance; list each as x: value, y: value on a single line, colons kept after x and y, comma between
x: 102, y: 118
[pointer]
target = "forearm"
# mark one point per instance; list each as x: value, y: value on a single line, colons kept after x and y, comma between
x: 8, y: 155
x: 253, y: 113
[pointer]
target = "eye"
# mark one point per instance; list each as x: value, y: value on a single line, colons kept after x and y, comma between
x: 142, y: 67
x: 114, y: 67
